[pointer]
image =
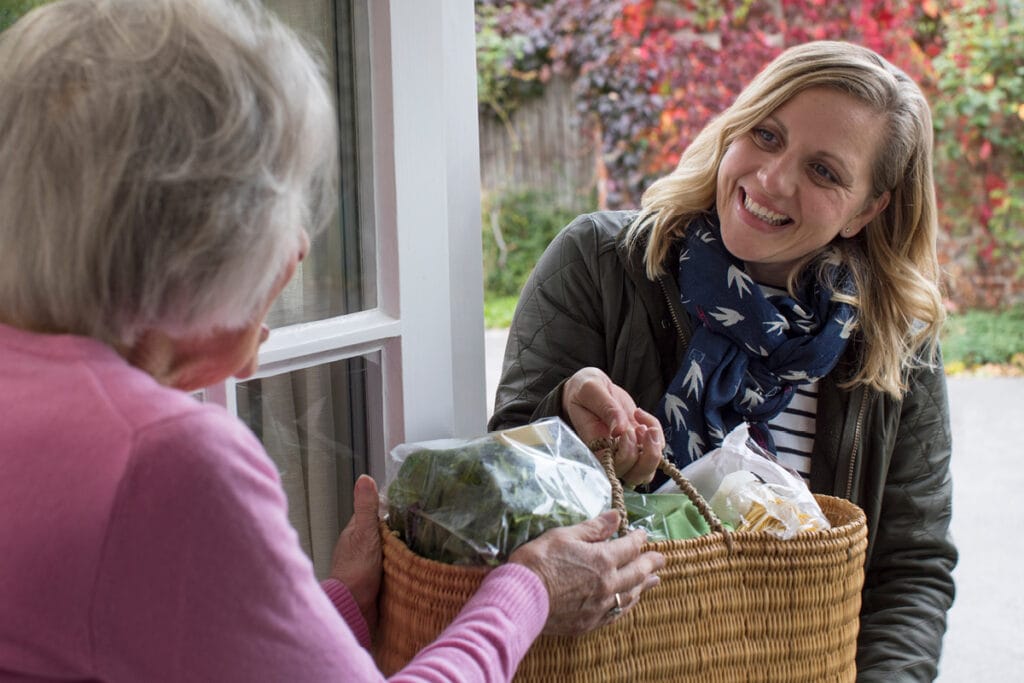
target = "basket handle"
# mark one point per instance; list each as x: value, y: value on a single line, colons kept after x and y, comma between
x: 605, y: 449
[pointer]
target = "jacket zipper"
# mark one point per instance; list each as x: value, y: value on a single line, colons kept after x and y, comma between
x: 856, y: 442
x: 672, y: 312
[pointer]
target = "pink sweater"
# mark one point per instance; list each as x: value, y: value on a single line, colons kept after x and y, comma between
x: 144, y: 537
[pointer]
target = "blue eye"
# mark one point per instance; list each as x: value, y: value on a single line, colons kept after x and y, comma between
x: 823, y: 172
x: 763, y: 136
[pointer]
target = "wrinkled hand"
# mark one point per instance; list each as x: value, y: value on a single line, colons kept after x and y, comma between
x: 599, y: 408
x: 357, y: 558
x: 583, y: 571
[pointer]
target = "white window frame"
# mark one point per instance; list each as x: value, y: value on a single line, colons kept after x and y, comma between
x: 428, y: 323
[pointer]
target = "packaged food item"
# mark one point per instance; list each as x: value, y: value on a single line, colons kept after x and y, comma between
x: 748, y: 489
x: 747, y: 503
x: 664, y: 516
x: 474, y: 501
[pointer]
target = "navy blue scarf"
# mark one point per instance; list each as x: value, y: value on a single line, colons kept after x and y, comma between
x: 748, y: 353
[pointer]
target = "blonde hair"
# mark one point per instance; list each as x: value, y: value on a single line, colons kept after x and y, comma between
x: 157, y: 161
x: 893, y: 261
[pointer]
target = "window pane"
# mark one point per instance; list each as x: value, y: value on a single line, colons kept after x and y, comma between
x: 337, y: 277
x: 319, y: 426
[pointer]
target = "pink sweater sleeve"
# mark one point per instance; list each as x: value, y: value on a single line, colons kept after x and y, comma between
x: 202, y: 578
x: 339, y: 594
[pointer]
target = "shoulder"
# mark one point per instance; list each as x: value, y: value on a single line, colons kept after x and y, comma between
x: 584, y: 244
x: 168, y: 429
x: 202, y: 454
x: 173, y: 437
x: 598, y: 230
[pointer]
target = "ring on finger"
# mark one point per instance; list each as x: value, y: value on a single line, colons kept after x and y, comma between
x: 617, y: 610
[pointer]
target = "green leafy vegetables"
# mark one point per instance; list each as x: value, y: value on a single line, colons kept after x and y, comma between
x: 476, y: 502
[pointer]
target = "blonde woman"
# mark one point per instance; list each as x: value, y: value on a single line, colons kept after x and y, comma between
x: 160, y: 164
x: 783, y: 275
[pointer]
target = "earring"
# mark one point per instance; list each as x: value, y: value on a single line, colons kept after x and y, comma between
x: 846, y: 230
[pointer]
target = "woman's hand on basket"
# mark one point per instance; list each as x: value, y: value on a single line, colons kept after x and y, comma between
x: 357, y: 558
x: 588, y: 576
x: 598, y: 408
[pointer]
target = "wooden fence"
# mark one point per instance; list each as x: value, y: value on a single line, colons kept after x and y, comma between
x: 541, y: 147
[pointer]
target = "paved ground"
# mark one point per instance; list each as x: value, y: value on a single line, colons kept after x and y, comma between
x: 985, y: 641
x: 986, y: 625
x: 494, y: 351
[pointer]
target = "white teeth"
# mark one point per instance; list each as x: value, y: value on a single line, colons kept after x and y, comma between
x: 764, y: 214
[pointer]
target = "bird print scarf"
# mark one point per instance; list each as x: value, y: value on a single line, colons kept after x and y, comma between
x: 749, y: 352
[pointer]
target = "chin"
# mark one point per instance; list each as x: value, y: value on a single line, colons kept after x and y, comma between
x: 247, y: 370
x: 734, y: 244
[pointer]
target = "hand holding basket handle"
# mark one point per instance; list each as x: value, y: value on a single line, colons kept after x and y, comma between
x: 597, y: 408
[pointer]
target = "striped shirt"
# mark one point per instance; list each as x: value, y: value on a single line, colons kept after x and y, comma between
x: 793, y: 428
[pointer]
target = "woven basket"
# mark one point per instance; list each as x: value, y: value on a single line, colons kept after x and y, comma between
x: 730, y: 607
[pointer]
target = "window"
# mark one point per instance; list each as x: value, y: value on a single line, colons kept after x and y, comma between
x: 379, y: 337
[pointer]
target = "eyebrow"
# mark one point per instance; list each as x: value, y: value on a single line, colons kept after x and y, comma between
x: 842, y: 169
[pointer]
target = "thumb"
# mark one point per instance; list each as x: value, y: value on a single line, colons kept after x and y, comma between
x: 600, y: 528
x: 365, y: 500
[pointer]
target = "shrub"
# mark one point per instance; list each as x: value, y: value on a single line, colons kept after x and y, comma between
x: 11, y: 10
x: 517, y: 226
x: 980, y: 337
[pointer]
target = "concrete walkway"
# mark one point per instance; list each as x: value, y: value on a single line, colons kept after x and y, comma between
x: 984, y: 641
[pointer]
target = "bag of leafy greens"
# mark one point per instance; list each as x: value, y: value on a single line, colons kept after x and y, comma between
x: 475, y: 501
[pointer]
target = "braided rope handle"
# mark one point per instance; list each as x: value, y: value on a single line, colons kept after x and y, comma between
x: 605, y: 449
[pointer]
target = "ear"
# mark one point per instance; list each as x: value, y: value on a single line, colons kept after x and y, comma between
x: 860, y: 221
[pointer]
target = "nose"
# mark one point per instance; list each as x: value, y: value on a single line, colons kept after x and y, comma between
x: 778, y: 175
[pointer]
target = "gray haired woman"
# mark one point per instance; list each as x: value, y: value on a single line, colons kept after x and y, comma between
x: 161, y: 162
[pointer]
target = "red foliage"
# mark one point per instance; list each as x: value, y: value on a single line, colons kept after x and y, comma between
x: 650, y: 74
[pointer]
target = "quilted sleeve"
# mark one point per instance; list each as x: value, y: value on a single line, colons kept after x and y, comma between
x: 909, y: 585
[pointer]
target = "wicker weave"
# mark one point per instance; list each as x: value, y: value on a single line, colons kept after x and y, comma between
x: 730, y: 606
x: 768, y: 610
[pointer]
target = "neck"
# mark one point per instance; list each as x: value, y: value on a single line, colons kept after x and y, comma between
x: 154, y: 353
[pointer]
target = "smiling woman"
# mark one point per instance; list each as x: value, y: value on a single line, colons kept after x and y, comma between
x: 797, y: 181
x: 783, y: 275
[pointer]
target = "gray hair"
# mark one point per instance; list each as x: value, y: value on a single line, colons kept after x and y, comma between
x: 157, y: 161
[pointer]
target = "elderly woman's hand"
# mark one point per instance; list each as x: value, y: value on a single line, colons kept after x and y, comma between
x: 598, y: 408
x: 357, y: 558
x: 584, y: 572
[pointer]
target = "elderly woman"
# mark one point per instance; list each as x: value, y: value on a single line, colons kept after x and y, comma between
x: 160, y: 162
x: 783, y: 275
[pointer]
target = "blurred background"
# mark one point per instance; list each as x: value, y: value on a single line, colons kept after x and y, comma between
x: 582, y: 104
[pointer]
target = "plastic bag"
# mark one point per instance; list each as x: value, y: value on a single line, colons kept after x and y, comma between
x: 749, y: 490
x: 664, y: 516
x: 475, y: 501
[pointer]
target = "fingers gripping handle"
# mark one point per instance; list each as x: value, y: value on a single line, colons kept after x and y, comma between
x: 605, y: 448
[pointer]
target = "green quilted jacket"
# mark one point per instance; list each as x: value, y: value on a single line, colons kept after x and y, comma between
x: 589, y: 303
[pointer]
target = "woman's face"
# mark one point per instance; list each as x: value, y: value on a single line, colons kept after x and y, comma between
x: 797, y: 179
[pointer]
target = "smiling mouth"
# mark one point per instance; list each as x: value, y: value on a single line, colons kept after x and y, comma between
x: 764, y: 214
